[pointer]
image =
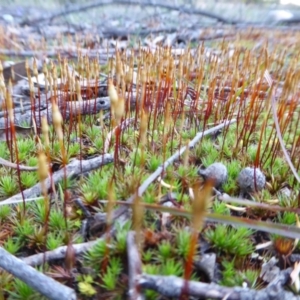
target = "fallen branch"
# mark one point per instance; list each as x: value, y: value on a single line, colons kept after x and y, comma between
x: 38, y: 281
x: 86, y: 107
x: 116, y: 32
x: 63, y: 52
x: 134, y: 267
x: 267, y: 76
x: 67, y: 109
x: 171, y: 286
x: 292, y: 232
x: 9, y: 164
x: 81, y: 8
x: 60, y: 252
x: 74, y: 168
x: 121, y: 210
x: 248, y: 203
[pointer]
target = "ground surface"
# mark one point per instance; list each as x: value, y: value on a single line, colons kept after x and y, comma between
x: 112, y: 206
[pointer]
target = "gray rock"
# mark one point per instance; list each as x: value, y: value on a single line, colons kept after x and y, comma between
x: 269, y: 270
x: 251, y: 180
x: 207, y: 264
x: 285, y: 192
x: 216, y: 171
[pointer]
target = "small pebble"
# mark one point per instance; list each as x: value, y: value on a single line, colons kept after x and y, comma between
x: 216, y: 171
x: 248, y: 183
x: 269, y: 270
x: 286, y: 192
x: 207, y: 264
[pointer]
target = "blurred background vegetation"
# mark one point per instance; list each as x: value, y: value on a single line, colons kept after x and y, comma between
x: 239, y: 10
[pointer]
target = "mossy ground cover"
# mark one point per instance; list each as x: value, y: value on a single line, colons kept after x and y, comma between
x: 177, y: 94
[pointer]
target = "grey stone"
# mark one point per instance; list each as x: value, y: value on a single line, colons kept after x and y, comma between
x: 251, y: 180
x: 286, y: 192
x: 207, y: 264
x: 216, y: 171
x: 269, y: 270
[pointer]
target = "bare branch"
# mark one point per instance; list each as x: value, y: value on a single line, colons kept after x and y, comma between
x: 64, y: 52
x: 134, y: 267
x: 171, y: 286
x: 67, y: 108
x: 58, y: 253
x: 74, y: 168
x: 121, y: 210
x: 38, y: 281
x: 267, y: 76
x: 81, y: 8
x: 292, y: 232
x: 9, y: 164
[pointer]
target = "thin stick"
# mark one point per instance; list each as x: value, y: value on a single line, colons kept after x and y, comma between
x: 72, y: 169
x: 90, y: 5
x: 38, y: 281
x: 267, y: 76
x: 168, y: 162
x: 170, y: 286
x: 12, y: 165
x: 134, y: 267
x: 58, y: 253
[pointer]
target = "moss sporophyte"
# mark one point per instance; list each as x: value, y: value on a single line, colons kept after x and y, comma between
x: 176, y: 148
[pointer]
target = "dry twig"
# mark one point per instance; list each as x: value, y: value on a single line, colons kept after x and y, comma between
x: 121, y: 210
x: 74, y: 168
x: 134, y: 267
x: 38, y: 281
x: 9, y: 164
x: 171, y: 286
x: 90, y: 5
